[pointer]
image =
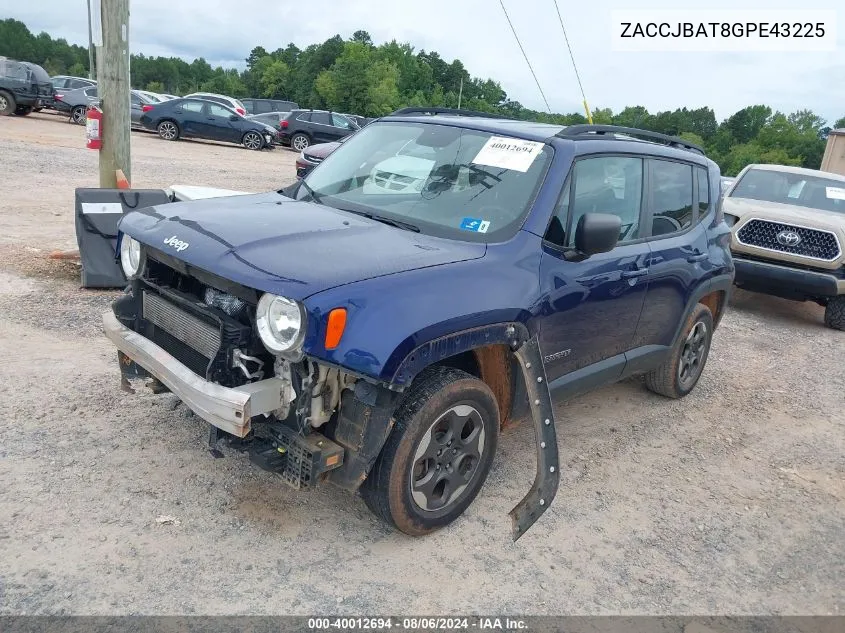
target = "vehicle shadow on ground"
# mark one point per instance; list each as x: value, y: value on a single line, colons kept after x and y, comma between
x: 784, y: 311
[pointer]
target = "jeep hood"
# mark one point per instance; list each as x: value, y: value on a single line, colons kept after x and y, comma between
x: 287, y: 247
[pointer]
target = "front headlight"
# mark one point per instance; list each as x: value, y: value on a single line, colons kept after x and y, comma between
x: 280, y: 323
x: 131, y: 256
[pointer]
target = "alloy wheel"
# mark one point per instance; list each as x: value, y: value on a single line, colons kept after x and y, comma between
x: 300, y: 143
x: 252, y: 141
x: 167, y: 130
x: 693, y: 354
x: 3, y: 103
x: 79, y: 116
x: 447, y: 458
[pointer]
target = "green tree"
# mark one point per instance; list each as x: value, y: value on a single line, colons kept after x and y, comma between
x: 155, y: 86
x: 274, y: 79
x: 747, y: 123
x: 840, y: 123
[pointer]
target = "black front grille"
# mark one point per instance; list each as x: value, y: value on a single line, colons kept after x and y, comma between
x: 815, y: 244
x: 186, y: 355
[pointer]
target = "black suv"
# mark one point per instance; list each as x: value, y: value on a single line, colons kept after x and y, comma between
x: 302, y: 128
x: 263, y: 106
x: 23, y: 87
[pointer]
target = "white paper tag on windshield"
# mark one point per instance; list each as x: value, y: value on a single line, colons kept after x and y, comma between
x: 835, y: 193
x: 508, y: 153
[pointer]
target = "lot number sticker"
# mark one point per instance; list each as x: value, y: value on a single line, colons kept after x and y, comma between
x: 835, y: 193
x: 475, y: 224
x: 508, y: 153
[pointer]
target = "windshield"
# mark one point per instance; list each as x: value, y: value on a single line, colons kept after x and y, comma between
x: 785, y: 187
x: 447, y: 181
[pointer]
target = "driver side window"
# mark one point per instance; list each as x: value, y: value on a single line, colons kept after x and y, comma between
x: 603, y: 184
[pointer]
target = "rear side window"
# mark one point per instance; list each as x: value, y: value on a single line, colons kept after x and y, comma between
x: 703, y: 191
x: 671, y: 197
x: 91, y: 92
x: 321, y: 117
x: 305, y: 117
x: 192, y: 106
x: 220, y: 111
x: 261, y: 107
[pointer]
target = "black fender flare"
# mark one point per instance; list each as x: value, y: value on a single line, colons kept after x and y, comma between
x: 722, y: 283
x: 512, y: 334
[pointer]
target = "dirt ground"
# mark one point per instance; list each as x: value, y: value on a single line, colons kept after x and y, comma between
x: 731, y: 501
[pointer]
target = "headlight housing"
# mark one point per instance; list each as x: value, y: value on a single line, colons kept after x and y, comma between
x: 280, y: 322
x: 132, y: 257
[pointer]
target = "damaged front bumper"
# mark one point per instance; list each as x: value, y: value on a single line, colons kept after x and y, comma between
x: 228, y: 408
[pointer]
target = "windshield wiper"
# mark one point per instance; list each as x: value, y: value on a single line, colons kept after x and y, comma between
x: 407, y: 226
x: 314, y: 195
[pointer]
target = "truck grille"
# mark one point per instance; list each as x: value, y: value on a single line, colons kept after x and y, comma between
x: 813, y: 243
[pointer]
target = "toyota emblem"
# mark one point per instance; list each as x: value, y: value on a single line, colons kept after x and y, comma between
x: 788, y: 238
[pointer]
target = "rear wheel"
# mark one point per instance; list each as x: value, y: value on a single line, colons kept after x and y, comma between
x: 834, y: 313
x: 438, y: 455
x: 7, y: 103
x: 79, y: 115
x: 300, y: 141
x: 168, y: 130
x: 676, y: 377
x: 253, y: 141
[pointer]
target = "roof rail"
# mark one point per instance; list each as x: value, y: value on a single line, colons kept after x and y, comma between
x: 585, y: 131
x: 450, y: 111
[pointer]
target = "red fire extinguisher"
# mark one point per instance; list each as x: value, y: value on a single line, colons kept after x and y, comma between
x: 94, y: 128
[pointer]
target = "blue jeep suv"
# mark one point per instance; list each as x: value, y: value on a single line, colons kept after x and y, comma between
x: 440, y: 274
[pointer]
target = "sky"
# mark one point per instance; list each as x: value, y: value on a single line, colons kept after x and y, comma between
x: 476, y: 32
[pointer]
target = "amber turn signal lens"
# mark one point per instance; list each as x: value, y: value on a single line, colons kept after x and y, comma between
x: 334, y: 329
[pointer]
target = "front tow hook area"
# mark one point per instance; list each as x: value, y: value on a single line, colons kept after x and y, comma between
x: 547, y: 479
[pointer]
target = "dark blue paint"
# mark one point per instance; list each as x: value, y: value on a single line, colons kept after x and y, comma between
x: 402, y: 289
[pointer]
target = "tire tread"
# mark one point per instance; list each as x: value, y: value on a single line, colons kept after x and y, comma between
x: 834, y: 313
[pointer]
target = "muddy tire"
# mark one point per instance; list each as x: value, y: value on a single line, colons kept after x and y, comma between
x: 679, y: 374
x: 438, y: 454
x: 7, y: 103
x: 834, y: 313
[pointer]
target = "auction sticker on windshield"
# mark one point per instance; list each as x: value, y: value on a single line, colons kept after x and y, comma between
x: 508, y: 153
x: 835, y: 193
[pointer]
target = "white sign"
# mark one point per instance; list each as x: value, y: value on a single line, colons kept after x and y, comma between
x: 508, y: 153
x: 835, y: 193
x: 101, y: 207
x: 96, y: 23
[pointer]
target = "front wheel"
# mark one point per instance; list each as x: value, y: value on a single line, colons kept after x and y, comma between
x: 300, y: 142
x: 168, y: 130
x: 677, y: 376
x: 79, y: 115
x: 438, y: 455
x: 253, y: 141
x: 834, y: 313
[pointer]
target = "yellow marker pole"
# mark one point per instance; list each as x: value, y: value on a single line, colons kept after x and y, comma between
x: 589, y: 114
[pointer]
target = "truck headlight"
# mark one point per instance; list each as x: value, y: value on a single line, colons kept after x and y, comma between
x: 131, y: 257
x: 280, y: 323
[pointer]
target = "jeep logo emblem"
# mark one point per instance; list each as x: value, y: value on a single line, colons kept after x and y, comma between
x: 788, y: 238
x: 178, y: 244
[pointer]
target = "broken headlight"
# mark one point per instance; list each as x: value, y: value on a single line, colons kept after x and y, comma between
x: 280, y: 323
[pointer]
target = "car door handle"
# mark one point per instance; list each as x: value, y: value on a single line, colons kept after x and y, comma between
x: 697, y: 257
x: 631, y: 274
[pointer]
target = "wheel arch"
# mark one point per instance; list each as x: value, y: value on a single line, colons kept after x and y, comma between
x: 713, y: 294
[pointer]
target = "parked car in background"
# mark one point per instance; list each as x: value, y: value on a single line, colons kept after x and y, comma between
x: 270, y: 118
x: 302, y: 128
x: 361, y: 121
x: 229, y: 102
x: 788, y: 227
x: 152, y: 97
x: 23, y: 87
x: 264, y: 106
x: 63, y: 84
x: 726, y: 183
x: 200, y: 118
x: 76, y: 102
x: 168, y: 97
x: 312, y: 156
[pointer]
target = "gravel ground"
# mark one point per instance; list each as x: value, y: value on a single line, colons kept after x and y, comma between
x: 729, y: 501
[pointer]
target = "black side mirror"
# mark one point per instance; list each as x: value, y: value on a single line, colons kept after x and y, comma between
x: 597, y: 233
x: 234, y: 117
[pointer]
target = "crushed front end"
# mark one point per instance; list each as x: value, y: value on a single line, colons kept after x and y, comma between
x: 199, y: 336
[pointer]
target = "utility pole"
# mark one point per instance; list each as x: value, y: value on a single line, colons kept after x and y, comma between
x: 460, y: 93
x: 91, y: 71
x: 113, y: 90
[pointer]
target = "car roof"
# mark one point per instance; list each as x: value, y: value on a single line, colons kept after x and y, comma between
x: 529, y: 130
x: 803, y: 171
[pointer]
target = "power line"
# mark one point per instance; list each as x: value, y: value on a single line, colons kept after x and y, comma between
x: 507, y: 17
x: 572, y: 57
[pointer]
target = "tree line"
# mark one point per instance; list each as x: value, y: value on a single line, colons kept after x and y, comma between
x: 357, y: 76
